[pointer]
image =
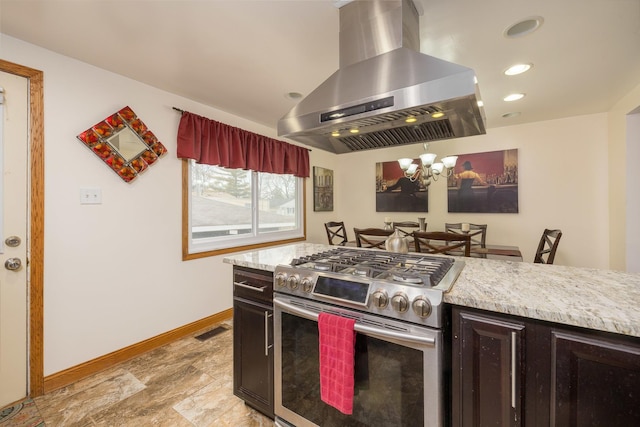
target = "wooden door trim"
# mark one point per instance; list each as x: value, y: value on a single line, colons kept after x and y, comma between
x: 36, y: 220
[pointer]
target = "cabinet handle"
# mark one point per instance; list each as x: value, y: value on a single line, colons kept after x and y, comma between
x: 513, y: 370
x: 267, y: 315
x: 253, y: 288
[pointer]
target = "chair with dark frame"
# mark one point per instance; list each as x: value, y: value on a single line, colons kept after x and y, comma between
x: 408, y: 225
x: 547, y: 247
x: 478, y: 233
x: 336, y: 233
x: 371, y: 237
x: 442, y: 242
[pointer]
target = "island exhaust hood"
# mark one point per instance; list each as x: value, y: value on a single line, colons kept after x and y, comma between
x: 385, y: 93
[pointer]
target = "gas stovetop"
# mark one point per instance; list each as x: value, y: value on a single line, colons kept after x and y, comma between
x: 413, y: 269
x: 401, y: 286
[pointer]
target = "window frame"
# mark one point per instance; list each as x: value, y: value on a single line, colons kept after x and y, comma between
x: 186, y: 224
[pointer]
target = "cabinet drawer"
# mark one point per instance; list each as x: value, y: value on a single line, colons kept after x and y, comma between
x: 252, y: 284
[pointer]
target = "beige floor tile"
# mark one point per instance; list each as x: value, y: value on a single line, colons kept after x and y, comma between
x: 182, y: 384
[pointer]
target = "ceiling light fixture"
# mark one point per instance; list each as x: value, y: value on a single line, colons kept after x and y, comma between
x: 517, y: 69
x: 410, y: 119
x: 427, y: 169
x: 524, y: 27
x: 513, y: 97
x: 293, y: 95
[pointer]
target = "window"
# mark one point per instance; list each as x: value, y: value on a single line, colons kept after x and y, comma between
x: 234, y: 208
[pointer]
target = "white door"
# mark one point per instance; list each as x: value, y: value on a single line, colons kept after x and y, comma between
x: 14, y: 145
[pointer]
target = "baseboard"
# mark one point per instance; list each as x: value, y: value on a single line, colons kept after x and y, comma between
x: 78, y: 372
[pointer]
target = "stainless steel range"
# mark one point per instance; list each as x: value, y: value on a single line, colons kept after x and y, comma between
x: 396, y: 300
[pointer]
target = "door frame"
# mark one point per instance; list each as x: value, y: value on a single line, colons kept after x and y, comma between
x: 36, y: 222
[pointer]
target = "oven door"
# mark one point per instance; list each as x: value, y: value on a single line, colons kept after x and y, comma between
x: 398, y: 370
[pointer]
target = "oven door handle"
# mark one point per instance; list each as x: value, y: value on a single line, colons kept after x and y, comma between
x: 358, y: 327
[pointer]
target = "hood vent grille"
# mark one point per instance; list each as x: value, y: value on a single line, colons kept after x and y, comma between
x: 429, y: 131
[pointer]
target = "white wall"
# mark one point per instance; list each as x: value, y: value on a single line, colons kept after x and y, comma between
x: 562, y: 184
x: 623, y: 195
x: 113, y: 273
x: 632, y: 232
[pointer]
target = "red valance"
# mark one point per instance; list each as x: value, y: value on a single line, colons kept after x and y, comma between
x: 213, y: 143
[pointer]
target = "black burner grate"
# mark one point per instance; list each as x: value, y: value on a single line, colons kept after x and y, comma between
x: 403, y: 268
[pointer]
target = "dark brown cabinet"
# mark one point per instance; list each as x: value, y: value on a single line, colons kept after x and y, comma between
x: 488, y: 371
x: 253, y: 338
x: 594, y: 381
x: 511, y: 371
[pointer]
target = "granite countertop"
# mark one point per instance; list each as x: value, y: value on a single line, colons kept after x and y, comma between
x: 604, y: 300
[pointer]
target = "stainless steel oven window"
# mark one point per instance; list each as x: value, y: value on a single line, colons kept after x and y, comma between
x: 398, y: 383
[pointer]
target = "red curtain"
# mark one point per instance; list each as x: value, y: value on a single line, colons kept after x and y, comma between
x: 213, y: 143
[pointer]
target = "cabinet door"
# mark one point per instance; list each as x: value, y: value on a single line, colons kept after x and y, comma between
x: 253, y: 354
x: 488, y: 370
x: 595, y: 381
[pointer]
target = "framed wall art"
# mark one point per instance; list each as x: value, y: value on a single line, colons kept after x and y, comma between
x: 484, y: 182
x: 322, y: 189
x: 397, y: 193
x: 124, y: 143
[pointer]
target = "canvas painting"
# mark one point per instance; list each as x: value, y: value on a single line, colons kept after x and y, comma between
x: 397, y: 193
x: 484, y: 182
x: 322, y: 189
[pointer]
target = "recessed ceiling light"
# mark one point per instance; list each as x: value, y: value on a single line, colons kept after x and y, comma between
x: 517, y: 69
x: 354, y: 130
x: 410, y: 119
x: 293, y: 95
x: 512, y: 114
x: 524, y: 27
x: 513, y: 97
x: 335, y: 133
x: 437, y: 115
x: 480, y: 103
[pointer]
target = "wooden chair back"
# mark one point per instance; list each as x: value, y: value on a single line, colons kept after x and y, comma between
x: 336, y: 233
x: 442, y: 242
x: 478, y: 232
x: 547, y: 247
x: 371, y: 237
x: 406, y: 228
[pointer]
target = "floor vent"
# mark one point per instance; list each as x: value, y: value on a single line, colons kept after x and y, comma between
x: 212, y: 333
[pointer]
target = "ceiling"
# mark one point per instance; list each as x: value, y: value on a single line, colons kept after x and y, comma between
x: 244, y: 56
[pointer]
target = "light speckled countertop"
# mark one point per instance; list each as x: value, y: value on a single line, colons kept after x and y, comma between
x: 596, y: 299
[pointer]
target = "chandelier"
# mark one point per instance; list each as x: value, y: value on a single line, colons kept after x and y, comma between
x: 428, y: 168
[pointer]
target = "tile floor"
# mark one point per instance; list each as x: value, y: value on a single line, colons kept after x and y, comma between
x: 185, y: 383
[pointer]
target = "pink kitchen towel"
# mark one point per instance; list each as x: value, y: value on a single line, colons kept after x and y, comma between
x: 337, y: 352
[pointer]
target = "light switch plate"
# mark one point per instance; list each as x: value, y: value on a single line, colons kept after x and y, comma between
x: 90, y: 196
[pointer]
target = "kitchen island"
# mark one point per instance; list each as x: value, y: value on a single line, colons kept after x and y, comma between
x: 603, y: 300
x: 530, y: 344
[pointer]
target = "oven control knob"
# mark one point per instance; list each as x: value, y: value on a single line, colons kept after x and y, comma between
x: 380, y: 299
x: 293, y: 281
x: 307, y: 284
x: 399, y: 302
x: 281, y: 279
x: 421, y: 306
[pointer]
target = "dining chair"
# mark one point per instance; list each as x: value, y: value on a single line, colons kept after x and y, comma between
x: 406, y: 227
x: 442, y: 242
x: 336, y: 233
x: 371, y: 237
x: 547, y: 247
x: 478, y: 232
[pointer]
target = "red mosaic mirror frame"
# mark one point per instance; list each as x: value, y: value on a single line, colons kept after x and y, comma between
x: 108, y: 138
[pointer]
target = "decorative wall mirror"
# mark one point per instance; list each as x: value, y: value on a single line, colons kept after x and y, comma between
x: 124, y: 143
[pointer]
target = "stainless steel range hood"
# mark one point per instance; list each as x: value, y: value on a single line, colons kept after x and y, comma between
x: 385, y: 89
